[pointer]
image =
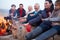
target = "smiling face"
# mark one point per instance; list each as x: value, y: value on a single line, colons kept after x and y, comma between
x: 13, y: 7
x: 47, y: 4
x: 36, y: 7
x: 21, y: 6
x: 30, y: 8
x: 57, y: 6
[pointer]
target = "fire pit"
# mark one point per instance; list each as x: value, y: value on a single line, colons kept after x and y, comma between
x: 5, y: 32
x: 9, y: 29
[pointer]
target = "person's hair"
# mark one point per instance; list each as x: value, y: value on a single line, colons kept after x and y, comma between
x: 58, y: 2
x: 20, y: 4
x: 13, y: 5
x: 37, y: 4
x: 52, y: 6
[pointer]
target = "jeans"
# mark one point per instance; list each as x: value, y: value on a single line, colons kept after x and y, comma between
x: 54, y: 30
x: 44, y: 26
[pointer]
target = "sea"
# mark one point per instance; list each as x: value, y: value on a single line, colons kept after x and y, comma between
x: 4, y: 12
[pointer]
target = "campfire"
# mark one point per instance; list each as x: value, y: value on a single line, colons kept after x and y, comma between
x: 11, y: 27
x: 4, y: 25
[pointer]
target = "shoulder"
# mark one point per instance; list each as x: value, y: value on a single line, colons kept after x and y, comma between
x: 23, y: 9
x: 10, y: 11
x: 17, y: 10
x: 31, y: 13
x: 40, y: 11
x: 43, y: 11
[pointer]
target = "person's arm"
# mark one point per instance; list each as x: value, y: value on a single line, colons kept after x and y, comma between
x: 52, y: 19
x: 15, y: 14
x: 37, y: 19
x: 24, y: 13
x: 18, y: 15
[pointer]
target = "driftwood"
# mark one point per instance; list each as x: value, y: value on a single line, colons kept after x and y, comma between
x: 18, y: 31
x: 5, y: 37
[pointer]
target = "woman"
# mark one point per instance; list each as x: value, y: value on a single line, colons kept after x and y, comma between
x: 12, y: 11
x: 30, y: 10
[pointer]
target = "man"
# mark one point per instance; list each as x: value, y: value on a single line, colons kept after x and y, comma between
x: 20, y: 11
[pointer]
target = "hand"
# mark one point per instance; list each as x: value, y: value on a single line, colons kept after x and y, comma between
x: 11, y: 14
x: 55, y: 23
x: 22, y: 20
x: 46, y: 19
x: 31, y: 14
x: 26, y: 24
x: 42, y: 19
x: 50, y: 14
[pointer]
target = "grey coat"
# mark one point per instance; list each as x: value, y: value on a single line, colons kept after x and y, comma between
x: 54, y: 17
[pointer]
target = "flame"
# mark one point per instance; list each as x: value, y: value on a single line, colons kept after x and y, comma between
x: 3, y: 30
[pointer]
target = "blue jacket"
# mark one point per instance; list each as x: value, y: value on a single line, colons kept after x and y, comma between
x: 32, y: 17
x: 38, y: 18
x: 44, y: 14
x: 18, y: 13
x: 14, y: 14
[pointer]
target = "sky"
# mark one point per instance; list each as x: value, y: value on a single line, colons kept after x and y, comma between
x: 5, y: 4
